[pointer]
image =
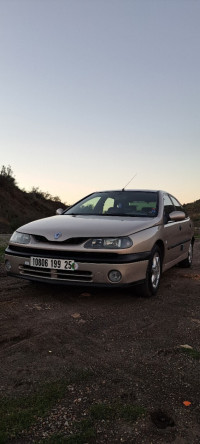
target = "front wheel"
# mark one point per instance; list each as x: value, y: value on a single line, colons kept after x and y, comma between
x: 152, y: 281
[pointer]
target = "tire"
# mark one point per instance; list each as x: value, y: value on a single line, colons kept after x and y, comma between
x: 154, y: 269
x: 188, y: 261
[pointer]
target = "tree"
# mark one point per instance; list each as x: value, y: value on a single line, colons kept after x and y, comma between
x: 6, y: 175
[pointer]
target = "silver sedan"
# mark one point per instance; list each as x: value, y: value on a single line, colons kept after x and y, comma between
x: 110, y: 238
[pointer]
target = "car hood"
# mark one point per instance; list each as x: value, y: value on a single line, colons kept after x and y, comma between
x: 87, y: 226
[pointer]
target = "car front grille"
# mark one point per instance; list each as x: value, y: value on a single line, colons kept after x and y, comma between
x: 59, y: 275
x: 78, y: 256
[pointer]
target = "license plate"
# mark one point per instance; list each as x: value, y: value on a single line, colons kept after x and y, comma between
x: 58, y: 264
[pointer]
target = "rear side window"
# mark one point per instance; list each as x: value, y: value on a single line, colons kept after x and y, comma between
x: 89, y: 206
x: 109, y: 203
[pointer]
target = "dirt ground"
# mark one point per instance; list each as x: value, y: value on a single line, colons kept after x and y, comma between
x: 130, y: 344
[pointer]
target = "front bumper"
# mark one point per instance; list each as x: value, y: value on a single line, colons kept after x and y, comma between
x: 88, y: 273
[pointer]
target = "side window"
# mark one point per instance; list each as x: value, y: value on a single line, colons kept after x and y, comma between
x: 177, y: 204
x: 108, y: 204
x: 89, y: 205
x: 168, y: 207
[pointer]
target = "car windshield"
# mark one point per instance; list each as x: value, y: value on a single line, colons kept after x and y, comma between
x: 118, y: 203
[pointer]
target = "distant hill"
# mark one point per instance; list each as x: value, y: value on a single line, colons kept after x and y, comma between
x: 18, y: 207
x: 193, y: 209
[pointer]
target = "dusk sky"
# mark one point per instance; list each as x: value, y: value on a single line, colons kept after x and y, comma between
x: 93, y: 92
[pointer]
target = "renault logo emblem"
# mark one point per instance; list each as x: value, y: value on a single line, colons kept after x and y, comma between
x: 57, y: 235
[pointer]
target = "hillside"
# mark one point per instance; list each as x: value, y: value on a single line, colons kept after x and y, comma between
x: 193, y: 209
x: 18, y: 207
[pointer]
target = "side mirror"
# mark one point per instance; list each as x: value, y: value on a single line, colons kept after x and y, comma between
x: 59, y: 211
x: 176, y: 216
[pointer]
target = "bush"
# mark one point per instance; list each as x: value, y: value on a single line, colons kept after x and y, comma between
x: 6, y: 176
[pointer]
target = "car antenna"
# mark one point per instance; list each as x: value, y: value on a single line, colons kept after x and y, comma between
x: 123, y: 189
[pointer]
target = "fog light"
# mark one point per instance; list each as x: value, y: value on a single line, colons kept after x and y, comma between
x: 8, y: 265
x: 114, y: 276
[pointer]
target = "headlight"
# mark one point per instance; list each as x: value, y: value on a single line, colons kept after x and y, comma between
x: 20, y: 238
x: 109, y: 243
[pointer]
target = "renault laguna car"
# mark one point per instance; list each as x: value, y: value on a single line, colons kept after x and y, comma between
x: 110, y: 238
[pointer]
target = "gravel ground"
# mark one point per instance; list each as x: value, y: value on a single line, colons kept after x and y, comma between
x: 124, y: 350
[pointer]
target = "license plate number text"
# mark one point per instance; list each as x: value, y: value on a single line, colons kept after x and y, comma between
x: 58, y: 264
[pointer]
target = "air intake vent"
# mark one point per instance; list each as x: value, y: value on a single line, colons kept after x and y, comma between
x: 58, y: 275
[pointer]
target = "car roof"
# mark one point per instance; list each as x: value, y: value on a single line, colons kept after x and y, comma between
x: 124, y: 190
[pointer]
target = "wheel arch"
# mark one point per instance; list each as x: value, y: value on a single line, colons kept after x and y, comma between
x: 159, y: 243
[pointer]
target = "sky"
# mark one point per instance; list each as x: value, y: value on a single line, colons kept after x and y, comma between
x: 94, y: 92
